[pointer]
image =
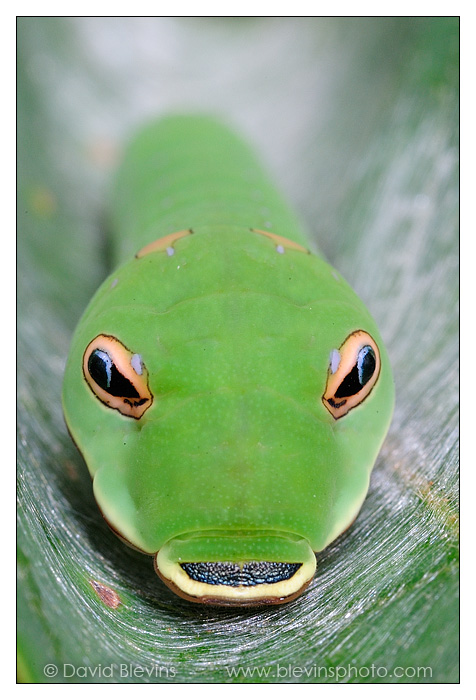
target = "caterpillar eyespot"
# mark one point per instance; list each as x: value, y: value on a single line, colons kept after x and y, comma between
x: 117, y: 376
x: 353, y: 370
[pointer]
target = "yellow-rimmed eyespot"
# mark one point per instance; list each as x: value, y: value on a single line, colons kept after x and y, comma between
x: 117, y: 376
x: 353, y: 370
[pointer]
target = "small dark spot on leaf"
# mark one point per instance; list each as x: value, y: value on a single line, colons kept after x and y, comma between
x: 108, y: 596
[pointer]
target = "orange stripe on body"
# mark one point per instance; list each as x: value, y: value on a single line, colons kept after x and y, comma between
x: 163, y: 243
x: 281, y: 240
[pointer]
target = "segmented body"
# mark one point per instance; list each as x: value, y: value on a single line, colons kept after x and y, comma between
x: 227, y: 388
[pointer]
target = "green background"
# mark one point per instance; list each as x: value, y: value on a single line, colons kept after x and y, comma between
x: 357, y: 120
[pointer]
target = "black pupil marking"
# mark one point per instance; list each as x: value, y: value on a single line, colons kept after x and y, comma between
x: 251, y: 573
x: 360, y: 374
x: 106, y: 375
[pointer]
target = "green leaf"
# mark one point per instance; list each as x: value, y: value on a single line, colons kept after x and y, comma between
x: 358, y: 120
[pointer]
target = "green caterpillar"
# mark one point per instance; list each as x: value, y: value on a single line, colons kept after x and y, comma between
x: 226, y: 387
